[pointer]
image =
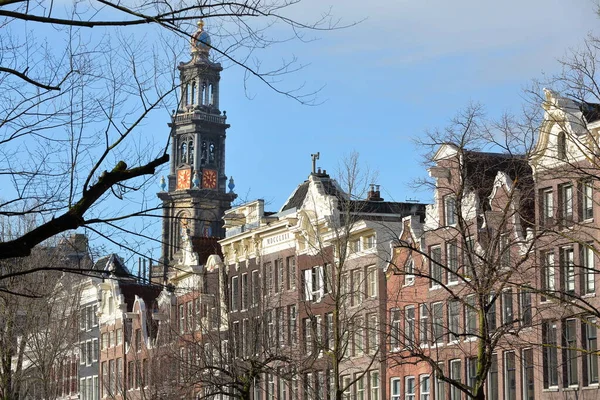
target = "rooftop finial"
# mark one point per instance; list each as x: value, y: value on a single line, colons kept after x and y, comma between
x: 200, y: 24
x: 314, y: 157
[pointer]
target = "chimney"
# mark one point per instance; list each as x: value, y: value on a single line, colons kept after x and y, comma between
x: 374, y: 194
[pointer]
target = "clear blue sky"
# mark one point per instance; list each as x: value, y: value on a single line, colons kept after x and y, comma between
x: 410, y: 66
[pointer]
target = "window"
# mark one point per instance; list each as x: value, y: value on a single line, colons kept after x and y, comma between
x: 369, y: 242
x: 507, y: 307
x: 588, y: 283
x: 590, y: 355
x: 89, y: 352
x: 244, y: 291
x: 355, y: 245
x: 436, y: 271
x: 291, y: 272
x: 315, y: 283
x: 409, y: 388
x: 492, y: 383
x: 425, y: 387
x: 346, y: 385
x: 528, y: 377
x: 372, y: 281
x: 360, y: 386
x: 279, y: 318
x: 548, y: 279
x: 550, y: 354
x: 510, y: 376
x: 526, y: 311
x: 453, y: 319
x: 374, y: 375
x: 547, y: 207
x: 395, y: 329
x: 570, y: 352
x: 471, y: 371
x: 357, y: 287
x: 235, y: 287
x: 452, y: 261
x: 450, y: 210
x: 409, y: 270
x: 292, y: 326
x: 423, y: 322
x: 437, y: 327
x: 409, y: 325
x: 470, y: 316
x: 491, y: 313
x: 455, y: 367
x: 358, y: 330
x: 373, y: 332
x: 308, y: 339
x: 181, y: 319
x: 280, y: 271
x: 440, y: 385
x: 119, y: 336
x: 255, y: 287
x: 190, y: 316
x: 105, y: 388
x: 82, y: 389
x: 395, y: 388
x: 329, y: 330
x: 566, y: 203
x: 95, y: 350
x: 138, y: 340
x: 587, y: 200
x: 567, y: 269
x: 268, y: 276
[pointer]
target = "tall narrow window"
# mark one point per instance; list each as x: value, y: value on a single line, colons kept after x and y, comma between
x: 550, y: 354
x: 452, y: 261
x: 437, y: 327
x: 567, y: 269
x: 491, y: 313
x: 588, y: 281
x: 492, y: 383
x: 547, y: 209
x: 374, y: 375
x: 291, y: 272
x: 510, y: 376
x: 453, y: 320
x: 409, y: 270
x: 395, y: 329
x: 507, y: 307
x: 244, y: 291
x: 455, y: 374
x: 561, y: 146
x: 450, y: 210
x: 435, y: 268
x: 471, y: 371
x: 440, y: 385
x: 409, y: 325
x: 528, y: 376
x: 570, y: 352
x: 526, y: 311
x: 591, y: 351
x: 548, y: 274
x: 234, y: 293
x: 470, y: 316
x: 372, y: 281
x: 423, y: 324
x: 587, y: 200
x: 395, y: 388
x: 409, y: 388
x: 566, y: 203
x: 255, y: 287
x: 425, y: 387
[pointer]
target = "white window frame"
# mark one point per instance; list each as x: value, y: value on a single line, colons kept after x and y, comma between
x: 395, y: 389
x: 425, y: 387
x: 409, y: 388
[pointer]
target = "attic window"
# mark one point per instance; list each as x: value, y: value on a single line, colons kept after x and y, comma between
x: 561, y: 146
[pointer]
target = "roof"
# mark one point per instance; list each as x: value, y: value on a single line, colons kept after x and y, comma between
x: 591, y: 111
x: 114, y: 264
x: 149, y: 293
x: 205, y: 247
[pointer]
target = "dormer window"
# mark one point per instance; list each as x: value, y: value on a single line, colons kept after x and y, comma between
x: 561, y: 146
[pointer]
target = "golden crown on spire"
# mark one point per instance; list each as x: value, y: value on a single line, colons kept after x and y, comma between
x: 200, y: 24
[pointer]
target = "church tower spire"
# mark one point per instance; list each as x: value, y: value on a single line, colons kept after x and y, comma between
x: 196, y: 198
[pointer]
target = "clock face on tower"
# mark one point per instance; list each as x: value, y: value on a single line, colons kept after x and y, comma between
x: 184, y: 177
x: 209, y: 179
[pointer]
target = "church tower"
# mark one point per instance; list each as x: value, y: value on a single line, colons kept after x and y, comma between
x: 195, y: 195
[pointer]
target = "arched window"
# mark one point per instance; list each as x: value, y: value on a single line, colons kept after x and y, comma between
x: 211, y: 153
x: 193, y: 101
x: 180, y: 226
x: 191, y: 152
x: 187, y: 94
x: 561, y: 146
x: 203, y: 153
x: 211, y: 95
x: 203, y: 97
x: 183, y: 153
